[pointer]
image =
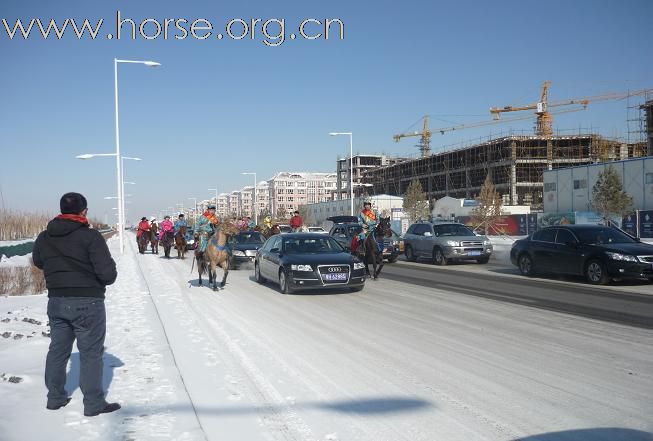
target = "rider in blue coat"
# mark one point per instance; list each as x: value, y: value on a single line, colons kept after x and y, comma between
x: 180, y: 222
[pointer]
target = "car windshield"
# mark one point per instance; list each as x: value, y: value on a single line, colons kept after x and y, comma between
x: 454, y: 230
x: 315, y: 229
x: 311, y: 245
x: 249, y: 237
x: 602, y: 236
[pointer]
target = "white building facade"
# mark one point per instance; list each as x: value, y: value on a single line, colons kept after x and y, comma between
x: 386, y: 205
x: 570, y: 189
x: 287, y: 191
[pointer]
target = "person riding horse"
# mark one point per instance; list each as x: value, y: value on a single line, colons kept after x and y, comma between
x: 368, y: 219
x: 143, y: 229
x: 205, y: 227
x: 180, y: 222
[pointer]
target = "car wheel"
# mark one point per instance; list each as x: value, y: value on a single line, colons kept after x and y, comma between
x: 257, y: 274
x: 393, y: 259
x: 526, y: 266
x: 438, y: 257
x: 410, y: 255
x: 284, y: 283
x: 483, y: 260
x: 596, y: 273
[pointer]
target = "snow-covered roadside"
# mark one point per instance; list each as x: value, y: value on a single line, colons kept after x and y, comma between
x: 15, y: 261
x: 140, y: 371
x: 11, y: 243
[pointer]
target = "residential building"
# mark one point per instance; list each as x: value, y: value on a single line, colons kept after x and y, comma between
x: 361, y: 164
x: 288, y: 190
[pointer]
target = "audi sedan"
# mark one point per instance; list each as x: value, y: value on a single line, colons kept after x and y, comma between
x: 599, y: 253
x: 307, y: 261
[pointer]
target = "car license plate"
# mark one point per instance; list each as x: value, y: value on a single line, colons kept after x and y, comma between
x: 474, y: 253
x: 335, y: 277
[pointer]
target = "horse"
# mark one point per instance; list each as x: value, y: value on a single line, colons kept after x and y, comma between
x: 217, y: 254
x: 154, y: 240
x: 371, y: 250
x: 180, y: 242
x: 167, y: 240
x: 142, y: 241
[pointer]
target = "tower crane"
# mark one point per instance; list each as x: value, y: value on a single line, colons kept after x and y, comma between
x: 544, y: 119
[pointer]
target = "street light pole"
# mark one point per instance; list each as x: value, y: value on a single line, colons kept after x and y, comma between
x: 351, y: 166
x: 194, y: 209
x: 121, y: 214
x: 254, y: 201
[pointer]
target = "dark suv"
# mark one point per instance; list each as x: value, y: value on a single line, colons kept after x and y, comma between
x: 445, y: 242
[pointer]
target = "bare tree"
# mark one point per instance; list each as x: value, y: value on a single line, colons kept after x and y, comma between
x: 488, y: 210
x: 416, y: 204
x: 608, y: 196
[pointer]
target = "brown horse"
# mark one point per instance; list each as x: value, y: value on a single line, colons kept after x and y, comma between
x: 154, y: 240
x: 180, y: 242
x: 217, y: 254
x: 371, y: 250
x: 142, y: 241
x: 269, y: 232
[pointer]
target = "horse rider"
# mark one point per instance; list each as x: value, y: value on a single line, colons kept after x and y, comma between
x: 166, y: 226
x: 205, y: 227
x: 143, y: 226
x: 250, y: 223
x: 296, y: 221
x: 368, y: 219
x: 267, y: 222
x: 180, y: 222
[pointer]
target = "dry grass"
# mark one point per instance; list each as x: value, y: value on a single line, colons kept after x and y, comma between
x: 21, y: 280
x: 16, y: 225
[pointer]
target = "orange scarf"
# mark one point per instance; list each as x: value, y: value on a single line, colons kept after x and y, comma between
x: 369, y: 214
x: 211, y: 217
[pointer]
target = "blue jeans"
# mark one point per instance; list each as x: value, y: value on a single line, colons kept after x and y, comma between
x: 84, y: 319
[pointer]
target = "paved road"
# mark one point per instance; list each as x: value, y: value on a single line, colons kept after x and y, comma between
x: 613, y: 303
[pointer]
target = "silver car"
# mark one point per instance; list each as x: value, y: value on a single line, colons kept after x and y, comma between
x: 445, y: 242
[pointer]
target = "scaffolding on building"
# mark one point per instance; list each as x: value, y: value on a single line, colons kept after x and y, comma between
x: 515, y: 161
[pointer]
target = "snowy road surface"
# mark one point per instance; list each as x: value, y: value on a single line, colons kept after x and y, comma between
x: 394, y: 362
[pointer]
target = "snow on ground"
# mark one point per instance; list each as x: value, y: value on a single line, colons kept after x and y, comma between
x: 10, y: 243
x: 15, y: 261
x: 395, y: 362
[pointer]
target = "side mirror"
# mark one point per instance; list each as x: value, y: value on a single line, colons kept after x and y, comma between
x: 428, y: 234
x: 343, y: 236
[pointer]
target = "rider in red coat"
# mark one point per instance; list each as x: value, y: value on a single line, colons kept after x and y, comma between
x: 296, y: 221
x: 143, y: 225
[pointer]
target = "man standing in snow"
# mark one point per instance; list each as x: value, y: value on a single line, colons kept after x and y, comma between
x: 77, y: 266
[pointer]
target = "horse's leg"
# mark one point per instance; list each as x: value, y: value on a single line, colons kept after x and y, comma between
x: 200, y: 267
x: 380, y: 258
x: 225, y: 268
x: 214, y: 274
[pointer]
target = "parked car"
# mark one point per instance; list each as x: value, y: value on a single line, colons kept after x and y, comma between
x: 344, y: 233
x: 445, y: 242
x: 307, y: 261
x: 317, y: 230
x: 243, y: 246
x: 285, y: 229
x: 597, y: 252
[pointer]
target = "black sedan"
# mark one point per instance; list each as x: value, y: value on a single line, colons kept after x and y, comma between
x: 307, y: 261
x: 599, y: 253
x: 243, y: 247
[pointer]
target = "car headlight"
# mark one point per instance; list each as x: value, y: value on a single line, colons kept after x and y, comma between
x: 622, y: 257
x: 359, y: 266
x: 301, y: 268
x: 487, y: 243
x: 238, y: 253
x: 453, y: 243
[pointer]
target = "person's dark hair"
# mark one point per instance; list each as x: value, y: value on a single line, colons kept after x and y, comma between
x: 296, y: 212
x: 72, y: 203
x: 181, y: 215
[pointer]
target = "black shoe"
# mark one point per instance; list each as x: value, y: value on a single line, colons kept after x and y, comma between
x: 58, y: 406
x: 111, y: 407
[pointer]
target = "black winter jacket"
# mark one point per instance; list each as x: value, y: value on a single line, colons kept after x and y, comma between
x: 75, y: 260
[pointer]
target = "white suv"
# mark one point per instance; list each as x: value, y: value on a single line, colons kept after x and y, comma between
x: 445, y: 242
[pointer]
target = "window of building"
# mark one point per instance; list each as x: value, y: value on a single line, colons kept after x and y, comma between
x: 549, y: 186
x: 579, y: 184
x: 649, y: 178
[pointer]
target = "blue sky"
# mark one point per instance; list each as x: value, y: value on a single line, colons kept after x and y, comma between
x: 219, y: 107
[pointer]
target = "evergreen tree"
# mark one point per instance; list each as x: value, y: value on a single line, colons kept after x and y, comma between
x: 416, y: 205
x: 488, y: 210
x: 608, y: 196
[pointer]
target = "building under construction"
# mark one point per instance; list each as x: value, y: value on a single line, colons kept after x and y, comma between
x: 515, y: 163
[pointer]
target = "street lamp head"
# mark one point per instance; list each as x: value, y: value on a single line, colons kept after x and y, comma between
x: 133, y: 159
x: 151, y: 63
x: 84, y: 156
